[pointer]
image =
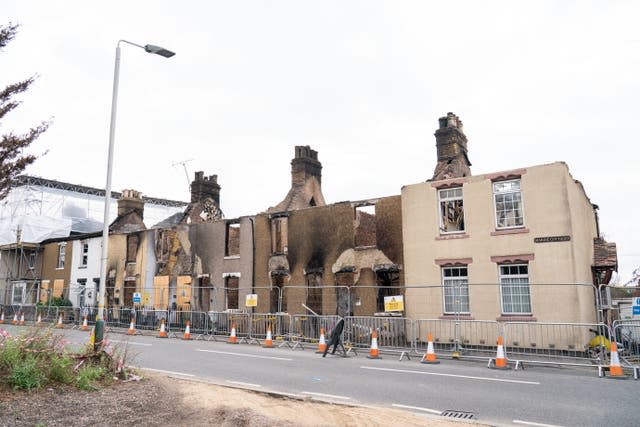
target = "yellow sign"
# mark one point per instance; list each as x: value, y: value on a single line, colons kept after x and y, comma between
x: 251, y: 300
x: 394, y: 303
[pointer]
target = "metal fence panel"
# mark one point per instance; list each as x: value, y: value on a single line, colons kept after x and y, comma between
x: 393, y: 332
x: 467, y: 336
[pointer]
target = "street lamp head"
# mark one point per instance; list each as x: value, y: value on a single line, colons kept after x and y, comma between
x: 159, y: 50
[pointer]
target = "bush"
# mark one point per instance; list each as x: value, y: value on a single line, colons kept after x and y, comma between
x: 26, y: 374
x: 88, y: 376
x: 60, y: 369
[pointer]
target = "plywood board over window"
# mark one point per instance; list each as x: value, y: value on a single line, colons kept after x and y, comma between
x: 44, y: 291
x: 58, y: 288
x: 184, y: 291
x: 161, y: 292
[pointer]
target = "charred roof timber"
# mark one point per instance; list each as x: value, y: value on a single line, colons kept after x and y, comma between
x: 451, y: 144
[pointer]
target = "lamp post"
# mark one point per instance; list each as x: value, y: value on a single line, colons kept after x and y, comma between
x: 99, y: 330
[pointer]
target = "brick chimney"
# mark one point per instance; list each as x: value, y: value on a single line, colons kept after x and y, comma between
x: 451, y: 144
x: 131, y: 201
x: 304, y: 165
x: 203, y: 187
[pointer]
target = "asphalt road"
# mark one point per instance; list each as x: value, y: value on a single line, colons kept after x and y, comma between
x: 536, y: 396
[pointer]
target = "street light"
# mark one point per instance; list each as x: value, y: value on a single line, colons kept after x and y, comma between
x: 99, y: 331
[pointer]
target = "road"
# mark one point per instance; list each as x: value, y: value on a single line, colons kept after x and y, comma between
x: 536, y: 396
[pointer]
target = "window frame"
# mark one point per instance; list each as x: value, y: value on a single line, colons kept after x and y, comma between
x: 453, y: 278
x: 511, y: 295
x: 15, y: 285
x: 62, y: 254
x: 84, y: 253
x: 450, y: 199
x: 494, y: 194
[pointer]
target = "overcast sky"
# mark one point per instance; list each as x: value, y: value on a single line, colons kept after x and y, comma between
x: 363, y: 83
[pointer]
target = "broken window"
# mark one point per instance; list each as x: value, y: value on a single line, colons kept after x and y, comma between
x: 451, y: 210
x: 279, y: 235
x: 388, y: 283
x: 232, y: 242
x: 514, y: 287
x: 132, y: 247
x: 62, y: 249
x: 455, y: 289
x: 508, y: 204
x: 231, y: 283
x: 365, y: 225
x: 314, y: 291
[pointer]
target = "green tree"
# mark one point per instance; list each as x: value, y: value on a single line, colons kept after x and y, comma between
x: 13, y: 160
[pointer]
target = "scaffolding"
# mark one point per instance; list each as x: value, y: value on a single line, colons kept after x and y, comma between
x: 19, y: 272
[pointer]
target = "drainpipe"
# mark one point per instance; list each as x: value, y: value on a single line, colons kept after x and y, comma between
x: 595, y: 213
x: 253, y: 259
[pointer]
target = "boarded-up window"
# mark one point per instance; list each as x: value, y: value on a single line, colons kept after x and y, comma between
x: 58, y: 288
x: 44, y: 291
x: 184, y: 291
x: 161, y: 292
x: 232, y: 242
x: 231, y: 283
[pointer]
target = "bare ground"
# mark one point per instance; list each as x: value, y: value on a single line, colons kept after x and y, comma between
x: 159, y: 400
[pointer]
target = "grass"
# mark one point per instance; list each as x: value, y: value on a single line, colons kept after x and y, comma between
x: 39, y: 358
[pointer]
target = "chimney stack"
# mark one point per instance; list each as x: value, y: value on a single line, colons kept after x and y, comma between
x: 304, y: 165
x: 131, y: 201
x: 203, y: 187
x: 451, y: 144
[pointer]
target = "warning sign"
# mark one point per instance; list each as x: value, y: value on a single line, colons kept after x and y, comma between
x: 251, y: 300
x: 394, y: 303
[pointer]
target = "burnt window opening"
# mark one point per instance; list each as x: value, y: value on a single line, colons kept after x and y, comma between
x: 451, y: 210
x: 133, y: 241
x: 388, y: 283
x: 365, y: 225
x: 279, y: 235
x: 278, y: 284
x: 128, y: 290
x: 314, y: 291
x: 231, y: 284
x: 312, y: 202
x: 232, y: 240
x: 344, y: 282
x: 204, y: 293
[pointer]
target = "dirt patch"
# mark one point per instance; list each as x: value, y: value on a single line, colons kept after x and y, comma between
x: 160, y: 400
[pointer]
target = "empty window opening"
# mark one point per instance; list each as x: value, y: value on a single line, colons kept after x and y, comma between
x: 455, y: 289
x: 514, y: 288
x: 312, y: 202
x: 132, y: 247
x: 507, y: 199
x: 274, y: 297
x: 314, y: 291
x: 232, y: 283
x: 232, y: 242
x: 279, y: 235
x: 451, y: 210
x: 204, y: 293
x: 365, y: 225
x: 388, y: 282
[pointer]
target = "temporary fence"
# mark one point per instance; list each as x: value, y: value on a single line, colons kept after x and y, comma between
x: 469, y: 337
x: 627, y: 332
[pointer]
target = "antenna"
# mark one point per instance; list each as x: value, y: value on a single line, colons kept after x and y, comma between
x: 184, y: 165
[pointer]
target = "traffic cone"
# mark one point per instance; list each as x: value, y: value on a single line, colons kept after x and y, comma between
x: 430, y: 356
x: 2, y: 317
x: 373, y: 353
x: 322, y: 344
x: 268, y: 342
x: 85, y: 325
x: 132, y: 327
x: 233, y: 339
x: 187, y: 332
x: 162, y: 333
x: 501, y: 360
x: 615, y: 369
x: 21, y: 323
x: 60, y: 325
x: 15, y: 319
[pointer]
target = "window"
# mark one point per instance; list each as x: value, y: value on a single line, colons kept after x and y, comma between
x: 314, y: 291
x: 514, y: 287
x: 231, y: 284
x: 32, y: 261
x: 451, y: 210
x: 132, y: 247
x: 365, y: 226
x: 279, y: 235
x: 18, y: 291
x: 232, y: 242
x: 85, y: 253
x: 62, y: 249
x: 507, y: 199
x: 455, y: 290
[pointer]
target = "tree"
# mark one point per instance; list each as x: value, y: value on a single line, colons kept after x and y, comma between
x: 13, y: 160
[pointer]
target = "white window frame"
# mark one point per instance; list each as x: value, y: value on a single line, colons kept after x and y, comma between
x: 497, y: 193
x: 62, y: 253
x: 450, y: 195
x: 14, y: 286
x: 514, y: 286
x: 450, y: 282
x: 84, y: 253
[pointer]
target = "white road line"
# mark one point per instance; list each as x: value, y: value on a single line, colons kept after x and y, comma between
x: 451, y: 375
x: 417, y: 408
x: 245, y: 384
x: 163, y: 371
x: 529, y: 423
x: 332, y: 396
x: 131, y: 342
x: 245, y: 355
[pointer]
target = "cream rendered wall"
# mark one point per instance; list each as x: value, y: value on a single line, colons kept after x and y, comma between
x: 553, y: 206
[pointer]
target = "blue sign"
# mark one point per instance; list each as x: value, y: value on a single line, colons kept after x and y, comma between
x: 636, y: 310
x: 137, y: 298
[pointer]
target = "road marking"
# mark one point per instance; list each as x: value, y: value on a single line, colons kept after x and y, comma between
x: 417, y: 408
x: 529, y: 423
x: 131, y: 342
x: 245, y: 384
x: 163, y: 371
x: 332, y: 396
x: 245, y: 355
x: 451, y: 375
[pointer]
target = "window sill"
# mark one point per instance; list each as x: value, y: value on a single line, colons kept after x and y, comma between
x: 517, y: 318
x: 232, y: 257
x: 59, y: 268
x: 461, y: 316
x: 80, y: 267
x: 452, y: 236
x: 522, y: 230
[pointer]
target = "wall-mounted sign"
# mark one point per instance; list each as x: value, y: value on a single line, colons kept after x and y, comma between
x: 251, y: 300
x: 394, y: 303
x: 549, y: 239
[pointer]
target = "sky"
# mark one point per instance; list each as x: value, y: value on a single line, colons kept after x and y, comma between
x: 361, y: 82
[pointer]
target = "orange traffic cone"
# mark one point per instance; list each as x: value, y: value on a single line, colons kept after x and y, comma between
x: 162, y: 333
x: 268, y: 342
x: 85, y: 325
x: 430, y: 356
x: 132, y: 327
x: 15, y: 319
x: 322, y: 344
x: 21, y: 319
x: 187, y: 332
x: 373, y: 353
x: 233, y: 339
x: 501, y: 360
x: 2, y: 317
x: 60, y: 325
x: 615, y: 369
